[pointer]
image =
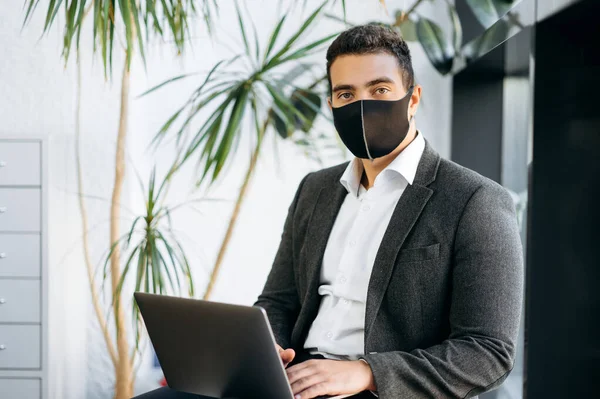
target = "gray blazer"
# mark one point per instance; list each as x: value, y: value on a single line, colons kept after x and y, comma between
x: 444, y: 299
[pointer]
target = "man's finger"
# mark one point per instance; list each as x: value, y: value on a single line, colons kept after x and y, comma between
x: 287, y: 356
x: 303, y: 383
x: 295, y: 375
x: 287, y: 353
x: 319, y: 389
x: 300, y: 366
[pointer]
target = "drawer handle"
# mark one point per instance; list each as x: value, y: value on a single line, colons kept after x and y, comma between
x: 3, y: 209
x: 2, y: 255
x: 2, y: 301
x: 2, y: 347
x: 2, y: 164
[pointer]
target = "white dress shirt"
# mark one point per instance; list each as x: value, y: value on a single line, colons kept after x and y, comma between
x: 338, y: 330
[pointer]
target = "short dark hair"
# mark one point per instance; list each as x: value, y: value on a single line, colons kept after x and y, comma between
x: 369, y: 39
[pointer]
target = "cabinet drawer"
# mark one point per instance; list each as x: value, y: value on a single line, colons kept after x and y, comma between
x: 20, y: 347
x: 19, y: 209
x: 20, y: 388
x: 20, y: 163
x: 20, y: 255
x: 19, y: 301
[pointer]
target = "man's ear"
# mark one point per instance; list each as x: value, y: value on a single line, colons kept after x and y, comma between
x: 329, y: 103
x: 415, y: 100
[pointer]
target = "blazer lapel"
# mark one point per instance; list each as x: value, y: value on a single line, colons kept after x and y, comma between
x: 405, y: 215
x: 327, y: 206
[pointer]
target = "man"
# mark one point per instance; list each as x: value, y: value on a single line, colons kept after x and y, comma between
x: 399, y: 273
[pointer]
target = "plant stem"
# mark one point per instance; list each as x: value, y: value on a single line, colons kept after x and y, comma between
x: 85, y: 224
x: 236, y: 212
x: 410, y: 11
x: 415, y: 5
x: 84, y: 214
x: 124, y: 377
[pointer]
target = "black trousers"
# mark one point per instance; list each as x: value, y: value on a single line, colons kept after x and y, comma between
x: 167, y: 393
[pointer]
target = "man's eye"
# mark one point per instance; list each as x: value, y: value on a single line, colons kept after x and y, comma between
x: 382, y: 90
x: 345, y: 96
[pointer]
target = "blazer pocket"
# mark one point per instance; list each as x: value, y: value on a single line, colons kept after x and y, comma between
x: 419, y: 254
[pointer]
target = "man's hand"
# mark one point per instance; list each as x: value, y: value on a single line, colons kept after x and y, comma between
x: 330, y: 377
x: 287, y: 355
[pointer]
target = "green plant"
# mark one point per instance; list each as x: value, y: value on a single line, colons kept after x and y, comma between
x: 443, y: 50
x: 153, y: 251
x: 137, y: 20
x: 262, y: 95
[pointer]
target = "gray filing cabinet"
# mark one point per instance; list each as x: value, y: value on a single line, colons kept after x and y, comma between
x: 23, y: 280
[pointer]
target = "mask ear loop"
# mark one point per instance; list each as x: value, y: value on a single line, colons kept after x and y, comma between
x: 412, y: 117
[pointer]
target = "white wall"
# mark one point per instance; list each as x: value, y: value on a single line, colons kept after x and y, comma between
x: 39, y: 97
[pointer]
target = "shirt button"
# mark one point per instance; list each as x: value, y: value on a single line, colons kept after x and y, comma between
x: 366, y: 208
x: 345, y: 301
x: 329, y: 334
x: 343, y: 279
x: 352, y: 243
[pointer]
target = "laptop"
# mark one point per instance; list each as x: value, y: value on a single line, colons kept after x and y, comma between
x: 214, y: 349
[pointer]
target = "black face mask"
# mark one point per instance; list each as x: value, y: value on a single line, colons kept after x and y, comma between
x: 373, y: 128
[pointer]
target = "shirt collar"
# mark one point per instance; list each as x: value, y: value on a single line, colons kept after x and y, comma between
x: 405, y: 165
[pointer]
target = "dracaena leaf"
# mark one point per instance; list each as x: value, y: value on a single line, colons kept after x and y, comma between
x: 436, y: 45
x: 488, y: 12
x: 166, y: 19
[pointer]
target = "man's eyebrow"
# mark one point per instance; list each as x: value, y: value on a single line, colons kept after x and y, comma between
x: 383, y: 79
x: 343, y: 87
x: 374, y: 82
